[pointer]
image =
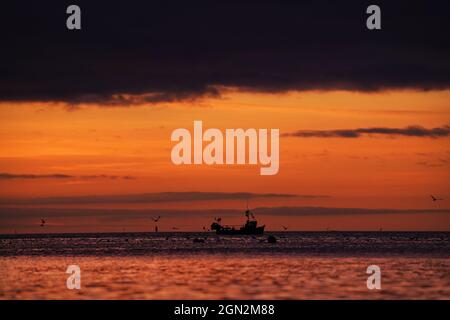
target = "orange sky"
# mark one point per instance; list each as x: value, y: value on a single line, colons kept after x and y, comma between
x: 366, y: 172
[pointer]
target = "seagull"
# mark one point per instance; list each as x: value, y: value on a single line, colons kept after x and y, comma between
x: 218, y: 219
x: 285, y: 228
x: 156, y: 219
x: 435, y: 199
x: 42, y: 222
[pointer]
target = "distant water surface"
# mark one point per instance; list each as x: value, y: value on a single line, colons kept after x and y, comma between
x: 301, y: 265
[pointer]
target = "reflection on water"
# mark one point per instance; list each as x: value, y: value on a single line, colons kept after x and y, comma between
x: 223, y: 277
x: 299, y: 266
x: 180, y: 243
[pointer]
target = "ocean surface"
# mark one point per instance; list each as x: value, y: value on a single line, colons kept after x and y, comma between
x: 300, y: 265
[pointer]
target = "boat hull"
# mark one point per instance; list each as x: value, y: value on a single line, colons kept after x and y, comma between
x: 258, y: 230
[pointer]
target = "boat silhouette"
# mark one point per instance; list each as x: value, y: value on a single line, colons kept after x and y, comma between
x: 250, y: 226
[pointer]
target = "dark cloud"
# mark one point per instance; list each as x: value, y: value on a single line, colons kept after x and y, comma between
x: 127, y: 214
x: 430, y: 164
x: 411, y: 131
x: 434, y: 163
x: 9, y: 176
x: 152, y: 198
x: 324, y: 211
x: 147, y: 51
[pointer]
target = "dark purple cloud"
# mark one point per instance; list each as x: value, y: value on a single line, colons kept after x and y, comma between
x: 145, y: 51
x: 127, y: 214
x: 411, y: 131
x: 10, y: 176
x: 158, y: 197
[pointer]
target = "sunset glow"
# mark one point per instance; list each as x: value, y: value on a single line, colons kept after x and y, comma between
x: 119, y: 150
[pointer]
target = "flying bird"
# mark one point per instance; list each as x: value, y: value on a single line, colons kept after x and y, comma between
x: 156, y: 219
x: 42, y: 222
x: 285, y: 228
x: 435, y: 199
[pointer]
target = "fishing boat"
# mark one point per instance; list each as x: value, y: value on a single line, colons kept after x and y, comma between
x: 249, y: 228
